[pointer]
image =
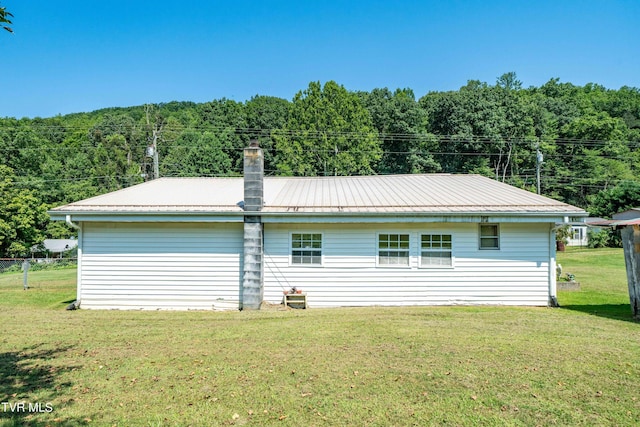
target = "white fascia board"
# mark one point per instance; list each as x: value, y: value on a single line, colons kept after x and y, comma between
x: 552, y: 218
x: 297, y: 217
x: 147, y: 217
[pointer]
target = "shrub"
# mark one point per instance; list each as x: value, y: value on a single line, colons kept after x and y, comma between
x: 598, y: 239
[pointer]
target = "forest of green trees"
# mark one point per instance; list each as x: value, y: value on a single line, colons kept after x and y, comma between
x: 588, y: 135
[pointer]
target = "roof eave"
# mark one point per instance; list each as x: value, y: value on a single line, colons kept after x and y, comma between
x: 298, y: 217
x: 440, y: 216
x: 148, y: 216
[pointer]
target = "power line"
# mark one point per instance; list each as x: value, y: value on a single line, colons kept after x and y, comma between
x: 246, y: 131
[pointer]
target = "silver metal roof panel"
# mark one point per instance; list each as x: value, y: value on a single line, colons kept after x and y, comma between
x: 442, y: 193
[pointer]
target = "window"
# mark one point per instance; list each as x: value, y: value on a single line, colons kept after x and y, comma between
x: 393, y: 249
x: 489, y: 236
x: 306, y: 249
x: 435, y: 250
x: 577, y: 233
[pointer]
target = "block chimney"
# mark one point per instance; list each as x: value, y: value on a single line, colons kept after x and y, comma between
x: 253, y: 271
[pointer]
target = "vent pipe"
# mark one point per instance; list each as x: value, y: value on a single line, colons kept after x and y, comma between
x: 253, y: 271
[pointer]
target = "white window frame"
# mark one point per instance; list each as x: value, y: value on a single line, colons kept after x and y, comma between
x: 307, y: 249
x: 495, y: 237
x: 392, y: 249
x: 442, y: 248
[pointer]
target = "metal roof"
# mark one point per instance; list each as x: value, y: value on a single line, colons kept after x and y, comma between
x: 425, y: 193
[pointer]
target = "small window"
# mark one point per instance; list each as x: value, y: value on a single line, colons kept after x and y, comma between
x: 435, y: 250
x: 577, y: 234
x: 489, y: 236
x: 306, y: 249
x: 393, y: 249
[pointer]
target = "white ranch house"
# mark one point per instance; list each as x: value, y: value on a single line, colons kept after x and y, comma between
x: 232, y: 243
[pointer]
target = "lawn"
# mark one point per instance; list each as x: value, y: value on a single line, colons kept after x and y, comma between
x: 603, y: 282
x: 574, y: 365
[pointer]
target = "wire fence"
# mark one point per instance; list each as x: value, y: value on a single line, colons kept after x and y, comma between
x: 16, y: 265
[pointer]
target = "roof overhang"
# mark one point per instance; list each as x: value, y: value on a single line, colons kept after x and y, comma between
x: 120, y: 216
x: 324, y: 217
x: 625, y: 222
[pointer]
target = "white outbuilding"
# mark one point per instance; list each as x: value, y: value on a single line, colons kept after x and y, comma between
x: 233, y: 243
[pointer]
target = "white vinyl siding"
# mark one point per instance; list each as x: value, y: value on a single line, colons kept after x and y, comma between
x: 518, y: 274
x: 161, y: 266
x: 198, y: 266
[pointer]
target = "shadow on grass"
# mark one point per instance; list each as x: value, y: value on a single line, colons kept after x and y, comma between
x: 610, y: 311
x: 29, y: 385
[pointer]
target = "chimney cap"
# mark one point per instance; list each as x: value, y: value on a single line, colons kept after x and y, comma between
x: 254, y: 143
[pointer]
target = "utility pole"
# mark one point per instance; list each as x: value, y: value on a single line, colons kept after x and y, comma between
x: 539, y: 161
x: 152, y: 148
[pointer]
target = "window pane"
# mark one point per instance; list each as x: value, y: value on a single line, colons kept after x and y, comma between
x: 489, y: 243
x: 489, y: 236
x: 436, y: 241
x: 383, y: 241
x: 489, y: 230
x: 436, y: 259
x: 306, y: 248
x: 393, y: 249
x: 436, y: 250
x: 404, y: 243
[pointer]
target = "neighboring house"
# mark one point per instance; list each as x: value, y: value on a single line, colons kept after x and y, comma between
x: 580, y: 232
x: 578, y: 236
x: 54, y: 248
x: 630, y: 214
x: 233, y: 243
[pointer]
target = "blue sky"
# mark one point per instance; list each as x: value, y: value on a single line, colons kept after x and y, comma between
x: 71, y: 56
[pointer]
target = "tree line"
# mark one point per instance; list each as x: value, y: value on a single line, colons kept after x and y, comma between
x: 588, y: 137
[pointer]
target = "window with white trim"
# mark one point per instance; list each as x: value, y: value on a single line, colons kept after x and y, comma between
x: 393, y: 249
x: 306, y: 248
x: 489, y: 236
x: 436, y: 250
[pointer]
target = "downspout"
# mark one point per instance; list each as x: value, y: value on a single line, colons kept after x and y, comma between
x: 78, y: 227
x: 72, y: 224
x: 553, y: 294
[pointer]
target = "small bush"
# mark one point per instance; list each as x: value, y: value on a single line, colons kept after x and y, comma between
x: 53, y: 265
x: 13, y: 269
x: 598, y: 239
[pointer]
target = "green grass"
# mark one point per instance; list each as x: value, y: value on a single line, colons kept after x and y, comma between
x: 603, y: 282
x: 374, y: 366
x: 49, y: 289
